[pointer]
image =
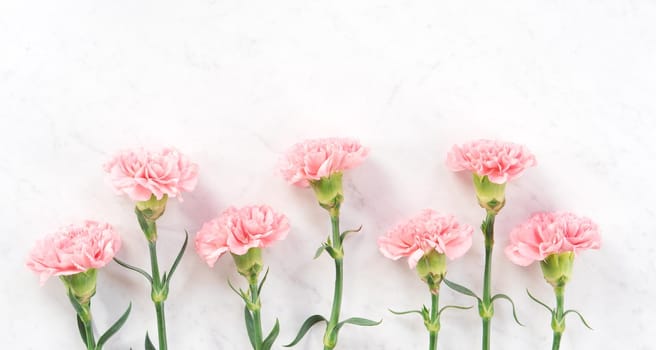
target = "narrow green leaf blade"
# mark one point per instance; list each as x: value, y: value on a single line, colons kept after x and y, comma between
x: 319, y: 251
x: 271, y: 338
x: 461, y: 289
x: 454, y: 307
x: 405, y: 312
x: 149, y: 344
x: 259, y: 287
x: 348, y: 232
x: 585, y: 323
x: 311, y: 321
x: 503, y: 296
x: 167, y: 281
x: 540, y: 302
x: 114, y: 328
x: 250, y: 328
x: 80, y: 327
x: 359, y: 321
x: 136, y: 269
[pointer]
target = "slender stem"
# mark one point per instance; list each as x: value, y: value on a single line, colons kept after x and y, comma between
x: 487, y: 311
x: 435, y: 301
x: 257, y: 320
x: 158, y: 295
x: 558, y: 321
x: 330, y: 338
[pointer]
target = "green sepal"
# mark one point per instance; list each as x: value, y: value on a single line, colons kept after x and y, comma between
x: 271, y: 338
x: 311, y: 321
x: 149, y: 344
x: 136, y: 269
x: 359, y: 321
x: 503, y: 296
x: 347, y: 232
x: 585, y: 323
x: 453, y: 307
x: 462, y: 289
x: 166, y: 280
x: 250, y: 328
x: 114, y: 328
x: 541, y: 303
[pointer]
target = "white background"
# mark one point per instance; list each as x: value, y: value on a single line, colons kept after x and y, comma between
x: 235, y: 83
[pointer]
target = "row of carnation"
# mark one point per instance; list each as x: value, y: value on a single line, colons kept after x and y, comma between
x: 150, y: 177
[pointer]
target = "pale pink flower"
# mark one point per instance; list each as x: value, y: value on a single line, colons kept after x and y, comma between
x: 430, y: 230
x: 550, y: 233
x: 312, y: 160
x: 140, y: 173
x: 238, y: 230
x: 499, y: 161
x: 74, y: 249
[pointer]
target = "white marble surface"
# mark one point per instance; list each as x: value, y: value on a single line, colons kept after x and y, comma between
x: 234, y: 83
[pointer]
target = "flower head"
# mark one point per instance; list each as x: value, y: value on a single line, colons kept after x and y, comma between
x: 427, y: 232
x: 545, y: 234
x: 499, y: 161
x: 74, y: 249
x: 312, y: 160
x: 142, y: 173
x: 237, y: 230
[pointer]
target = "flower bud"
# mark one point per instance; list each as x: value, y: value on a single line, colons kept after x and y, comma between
x: 82, y: 285
x: 431, y: 268
x: 329, y: 191
x: 250, y: 264
x: 491, y: 196
x: 557, y: 268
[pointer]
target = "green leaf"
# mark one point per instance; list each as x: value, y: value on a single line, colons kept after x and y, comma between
x: 79, y: 309
x: 259, y: 288
x: 359, y: 321
x: 405, y: 312
x: 268, y: 341
x: 503, y: 296
x: 250, y: 328
x: 80, y: 327
x: 580, y: 316
x: 149, y: 344
x: 320, y: 250
x: 540, y: 302
x: 305, y: 328
x: 461, y: 289
x: 136, y: 269
x: 347, y: 232
x: 166, y: 281
x: 454, y: 307
x: 114, y: 328
x: 239, y: 292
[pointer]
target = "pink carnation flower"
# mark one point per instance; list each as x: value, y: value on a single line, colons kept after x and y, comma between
x: 430, y: 230
x: 74, y: 249
x: 550, y: 233
x: 499, y: 161
x: 140, y: 173
x: 238, y: 230
x: 312, y: 160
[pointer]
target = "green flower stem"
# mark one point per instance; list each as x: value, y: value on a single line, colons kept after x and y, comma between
x: 486, y: 310
x: 558, y: 321
x: 435, y: 301
x: 158, y: 295
x: 330, y: 337
x: 257, y: 319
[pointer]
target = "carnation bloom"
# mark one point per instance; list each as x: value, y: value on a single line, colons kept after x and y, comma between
x: 74, y: 249
x: 142, y: 173
x: 312, y: 160
x: 237, y: 230
x: 429, y: 231
x: 545, y: 234
x: 499, y: 161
